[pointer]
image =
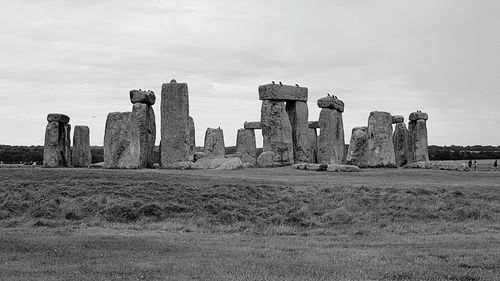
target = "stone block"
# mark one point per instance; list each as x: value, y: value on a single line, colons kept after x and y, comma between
x: 414, y: 116
x: 58, y: 117
x: 277, y: 131
x: 282, y: 92
x: 255, y: 125
x: 146, y: 97
x: 396, y: 119
x: 81, y: 154
x: 331, y: 102
x: 298, y: 113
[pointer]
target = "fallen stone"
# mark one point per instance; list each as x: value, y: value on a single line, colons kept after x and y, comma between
x: 182, y: 165
x: 98, y: 165
x: 57, y: 145
x: 310, y: 166
x: 397, y: 119
x: 146, y: 97
x: 331, y: 143
x: 277, y: 131
x: 417, y: 141
x: 217, y: 163
x: 175, y: 139
x: 121, y: 141
x: 145, y: 119
x: 247, y: 165
x: 380, y: 146
x: 199, y: 155
x: 358, y: 147
x: 58, y: 117
x: 414, y: 116
x: 81, y: 154
x: 252, y: 125
x: 331, y: 102
x: 298, y: 113
x: 342, y: 168
x: 314, y: 124
x: 400, y: 142
x: 282, y: 92
x: 266, y: 159
x: 246, y: 146
x: 439, y: 165
x: 214, y: 142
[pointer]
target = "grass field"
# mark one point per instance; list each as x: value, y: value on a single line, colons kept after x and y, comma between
x: 251, y: 224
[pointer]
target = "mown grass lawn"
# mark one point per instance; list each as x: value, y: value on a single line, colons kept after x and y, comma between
x: 252, y: 224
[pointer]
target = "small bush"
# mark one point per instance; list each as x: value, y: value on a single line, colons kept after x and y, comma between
x: 120, y: 213
x: 152, y: 210
x: 337, y: 216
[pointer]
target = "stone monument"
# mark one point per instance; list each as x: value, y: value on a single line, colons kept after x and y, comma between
x: 57, y: 145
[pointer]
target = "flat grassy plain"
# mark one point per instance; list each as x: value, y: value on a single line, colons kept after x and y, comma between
x: 250, y: 224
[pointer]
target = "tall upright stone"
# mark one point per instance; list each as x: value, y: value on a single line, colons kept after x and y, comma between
x: 400, y: 141
x: 214, y: 142
x: 298, y: 113
x: 145, y: 119
x: 358, y: 147
x: 81, y: 154
x: 417, y: 141
x: 380, y: 146
x: 192, y: 136
x: 57, y: 144
x: 246, y: 146
x: 277, y: 131
x: 175, y: 136
x: 331, y: 143
x: 313, y: 144
x: 122, y: 146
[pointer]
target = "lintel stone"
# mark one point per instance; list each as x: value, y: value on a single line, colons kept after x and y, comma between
x: 282, y: 92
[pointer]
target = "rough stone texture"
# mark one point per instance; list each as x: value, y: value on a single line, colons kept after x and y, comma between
x: 380, y: 146
x: 397, y: 119
x: 314, y: 124
x: 331, y: 102
x: 252, y: 125
x: 342, y: 168
x: 81, y: 155
x: 146, y: 97
x: 217, y: 163
x: 266, y: 159
x: 439, y: 165
x: 313, y: 144
x: 298, y: 113
x: 198, y: 155
x: 400, y: 142
x: 58, y: 117
x: 282, y: 92
x: 414, y: 116
x: 183, y: 165
x: 277, y: 131
x: 145, y: 119
x: 246, y: 145
x: 331, y: 143
x: 121, y: 141
x: 310, y: 167
x: 192, y: 136
x: 57, y: 146
x: 214, y: 142
x: 175, y: 141
x: 358, y: 147
x: 417, y: 141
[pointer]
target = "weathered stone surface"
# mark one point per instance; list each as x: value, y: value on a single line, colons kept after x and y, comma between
x: 121, y: 141
x: 414, y: 116
x: 277, y: 131
x: 397, y: 119
x: 417, y: 141
x: 298, y: 113
x: 175, y: 140
x: 252, y: 125
x: 81, y: 155
x: 282, y: 92
x: 246, y: 145
x: 310, y: 166
x: 198, y: 155
x: 214, y: 142
x: 217, y: 163
x: 342, y: 168
x: 58, y: 117
x: 314, y: 124
x: 182, y: 165
x: 400, y: 142
x: 358, y: 147
x: 266, y: 159
x: 146, y: 97
x: 331, y: 143
x: 57, y: 146
x: 439, y: 165
x: 313, y: 144
x: 145, y: 119
x: 380, y: 146
x: 192, y: 136
x: 331, y: 102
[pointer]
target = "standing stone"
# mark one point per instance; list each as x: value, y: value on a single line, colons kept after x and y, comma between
x: 192, y: 136
x: 277, y: 131
x: 380, y: 146
x: 175, y: 140
x: 81, y: 155
x: 145, y: 119
x: 313, y: 144
x: 417, y: 141
x: 400, y: 142
x: 331, y: 143
x: 57, y: 145
x: 298, y: 113
x: 246, y: 146
x: 358, y: 147
x: 214, y: 142
x: 122, y: 141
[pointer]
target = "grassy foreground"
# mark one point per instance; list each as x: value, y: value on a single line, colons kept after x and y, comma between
x: 252, y: 224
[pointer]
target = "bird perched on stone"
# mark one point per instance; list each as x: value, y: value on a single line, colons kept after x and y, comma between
x: 173, y: 81
x: 273, y: 83
x: 328, y: 94
x: 281, y: 84
x: 296, y: 85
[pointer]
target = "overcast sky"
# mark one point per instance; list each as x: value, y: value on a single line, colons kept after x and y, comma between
x: 82, y: 58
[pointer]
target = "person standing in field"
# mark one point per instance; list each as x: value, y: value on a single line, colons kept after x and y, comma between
x: 495, y: 164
